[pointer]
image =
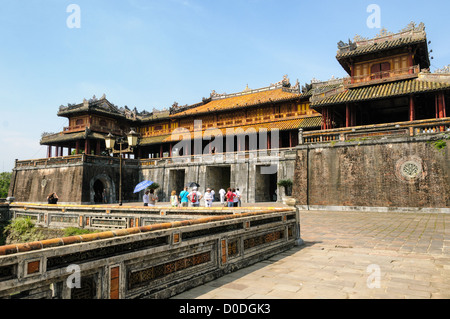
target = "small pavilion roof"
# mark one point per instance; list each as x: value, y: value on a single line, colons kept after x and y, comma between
x: 381, y: 91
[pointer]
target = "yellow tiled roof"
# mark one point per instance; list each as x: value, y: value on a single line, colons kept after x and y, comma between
x: 244, y: 100
x: 381, y: 91
x: 283, y: 125
x: 380, y: 46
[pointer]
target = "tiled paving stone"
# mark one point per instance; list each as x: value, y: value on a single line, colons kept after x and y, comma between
x: 407, y: 255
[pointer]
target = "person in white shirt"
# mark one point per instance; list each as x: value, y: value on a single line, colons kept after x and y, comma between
x: 208, y: 198
x: 145, y: 198
x: 213, y: 193
x: 238, y: 197
x: 222, y: 193
x: 194, y: 197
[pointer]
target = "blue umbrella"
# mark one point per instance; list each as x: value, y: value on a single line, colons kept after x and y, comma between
x: 142, y: 185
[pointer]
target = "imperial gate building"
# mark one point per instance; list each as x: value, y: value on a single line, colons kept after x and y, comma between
x: 254, y: 138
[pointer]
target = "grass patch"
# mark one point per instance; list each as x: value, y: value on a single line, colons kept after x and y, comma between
x: 73, y: 231
x: 23, y: 230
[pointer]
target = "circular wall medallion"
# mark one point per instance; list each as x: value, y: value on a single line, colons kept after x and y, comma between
x: 410, y: 169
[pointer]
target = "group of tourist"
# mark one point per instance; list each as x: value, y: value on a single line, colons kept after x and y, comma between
x: 192, y: 197
x: 230, y: 198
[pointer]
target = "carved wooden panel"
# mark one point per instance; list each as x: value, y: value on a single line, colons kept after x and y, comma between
x: 142, y: 277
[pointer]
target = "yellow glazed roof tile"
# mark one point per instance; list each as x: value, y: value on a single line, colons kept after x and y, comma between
x: 244, y: 100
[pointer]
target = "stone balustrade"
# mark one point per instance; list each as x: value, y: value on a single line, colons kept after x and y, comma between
x: 152, y: 261
x: 410, y: 128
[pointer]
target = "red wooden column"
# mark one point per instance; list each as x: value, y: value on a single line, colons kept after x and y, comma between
x: 49, y: 151
x: 352, y: 116
x: 412, y: 111
x: 347, y: 115
x: 77, y: 147
x: 443, y: 104
x: 410, y: 58
x: 326, y: 119
x: 160, y: 150
x: 87, y: 149
x: 441, y: 108
x: 97, y: 149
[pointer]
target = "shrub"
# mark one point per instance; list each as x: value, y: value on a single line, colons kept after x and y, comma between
x: 287, y: 184
x: 22, y: 230
x: 5, y: 180
x: 153, y: 186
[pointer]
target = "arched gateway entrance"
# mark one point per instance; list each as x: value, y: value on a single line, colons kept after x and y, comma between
x: 102, y: 190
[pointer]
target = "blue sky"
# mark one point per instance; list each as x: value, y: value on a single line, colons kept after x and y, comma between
x: 149, y: 54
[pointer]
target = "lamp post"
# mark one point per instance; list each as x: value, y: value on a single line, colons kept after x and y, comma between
x: 132, y: 139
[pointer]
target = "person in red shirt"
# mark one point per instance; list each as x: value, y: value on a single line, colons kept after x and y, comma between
x: 230, y: 197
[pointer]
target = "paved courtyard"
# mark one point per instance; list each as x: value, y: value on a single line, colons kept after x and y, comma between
x: 349, y: 255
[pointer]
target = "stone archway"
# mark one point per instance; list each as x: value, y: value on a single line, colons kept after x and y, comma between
x: 102, y: 190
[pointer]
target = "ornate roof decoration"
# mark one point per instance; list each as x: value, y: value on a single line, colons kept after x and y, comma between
x: 412, y: 27
x: 383, y: 40
x: 359, y: 38
x: 383, y: 33
x: 284, y: 83
x: 323, y: 89
x: 102, y: 105
x: 445, y: 69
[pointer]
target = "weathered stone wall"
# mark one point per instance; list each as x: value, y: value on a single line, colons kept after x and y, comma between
x: 401, y: 172
x: 73, y: 178
x: 34, y: 184
x: 243, y: 173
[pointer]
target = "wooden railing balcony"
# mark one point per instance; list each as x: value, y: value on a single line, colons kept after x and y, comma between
x: 94, y: 127
x: 74, y: 128
x: 381, y: 77
x: 361, y: 133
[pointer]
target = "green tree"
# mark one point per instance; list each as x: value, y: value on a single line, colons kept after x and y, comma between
x: 5, y: 180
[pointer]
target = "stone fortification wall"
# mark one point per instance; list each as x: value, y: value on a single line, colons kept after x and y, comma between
x: 255, y: 174
x: 33, y: 184
x: 73, y: 178
x: 407, y: 172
